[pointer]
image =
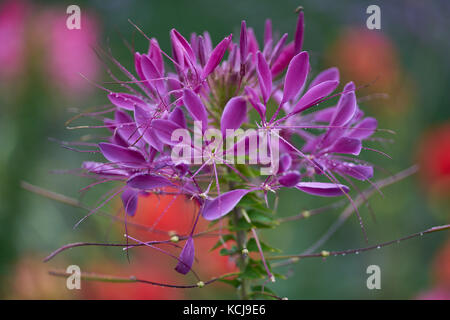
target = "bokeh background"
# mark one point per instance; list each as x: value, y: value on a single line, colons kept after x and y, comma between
x: 406, y: 64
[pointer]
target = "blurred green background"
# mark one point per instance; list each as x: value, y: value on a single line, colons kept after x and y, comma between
x: 406, y: 61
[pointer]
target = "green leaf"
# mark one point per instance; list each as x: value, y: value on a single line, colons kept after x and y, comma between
x: 252, y: 247
x: 220, y: 242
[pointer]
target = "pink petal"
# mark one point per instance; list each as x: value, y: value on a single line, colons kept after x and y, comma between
x: 125, y: 101
x: 264, y: 76
x: 124, y: 156
x: 234, y: 114
x: 186, y: 258
x: 195, y: 107
x: 314, y: 95
x: 216, y: 56
x: 148, y: 181
x: 322, y: 189
x: 223, y: 204
x: 326, y: 75
x: 296, y: 76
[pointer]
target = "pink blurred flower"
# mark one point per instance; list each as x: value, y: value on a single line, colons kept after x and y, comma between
x: 13, y: 16
x: 435, y: 294
x: 69, y: 53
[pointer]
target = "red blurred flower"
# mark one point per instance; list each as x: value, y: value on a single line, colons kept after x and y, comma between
x: 434, y: 159
x: 441, y: 266
x: 176, y: 214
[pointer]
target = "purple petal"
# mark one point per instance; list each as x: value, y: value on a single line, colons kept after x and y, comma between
x: 102, y: 169
x: 216, y: 56
x: 359, y: 172
x: 125, y: 101
x: 285, y: 163
x: 186, y: 258
x: 164, y: 130
x: 326, y: 75
x: 151, y: 72
x: 325, y: 115
x: 121, y: 155
x: 155, y: 54
x: 177, y: 116
x: 195, y: 107
x: 295, y: 76
x: 243, y: 47
x: 287, y: 53
x: 298, y: 41
x: 148, y: 181
x: 345, y: 109
x: 322, y: 189
x: 130, y: 200
x: 315, y: 94
x: 184, y: 44
x: 255, y: 102
x: 347, y: 146
x: 234, y: 114
x: 223, y: 204
x: 290, y: 179
x: 264, y: 77
x: 364, y: 129
x: 143, y: 121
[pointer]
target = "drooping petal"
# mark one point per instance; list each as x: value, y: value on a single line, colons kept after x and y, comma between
x: 234, y: 114
x: 264, y: 76
x: 195, y: 107
x: 130, y: 200
x: 322, y: 189
x: 126, y: 101
x: 223, y: 204
x: 216, y: 56
x: 290, y: 179
x: 186, y: 258
x: 314, y: 95
x: 124, y: 156
x: 346, y: 145
x: 295, y: 76
x: 326, y: 75
x: 148, y: 181
x: 151, y: 72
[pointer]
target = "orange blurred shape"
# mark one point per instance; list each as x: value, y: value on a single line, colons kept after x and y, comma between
x: 370, y: 58
x: 99, y: 290
x: 31, y: 281
x: 176, y: 213
x: 434, y: 159
x: 364, y: 55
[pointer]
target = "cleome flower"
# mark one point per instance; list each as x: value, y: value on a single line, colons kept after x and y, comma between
x: 245, y: 103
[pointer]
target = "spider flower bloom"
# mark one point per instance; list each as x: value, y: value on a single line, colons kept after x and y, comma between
x: 214, y: 91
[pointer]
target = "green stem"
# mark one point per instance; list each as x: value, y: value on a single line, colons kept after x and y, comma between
x: 241, y: 240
